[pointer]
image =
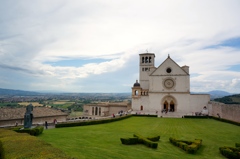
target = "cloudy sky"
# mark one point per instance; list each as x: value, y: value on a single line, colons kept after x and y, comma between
x: 94, y: 45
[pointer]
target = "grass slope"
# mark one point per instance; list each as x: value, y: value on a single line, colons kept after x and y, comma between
x: 103, y: 141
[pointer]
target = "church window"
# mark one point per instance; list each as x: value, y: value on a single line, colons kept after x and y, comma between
x: 150, y: 59
x: 142, y: 59
x: 92, y: 110
x: 165, y: 106
x: 99, y: 111
x: 172, y: 106
x: 136, y: 92
x: 96, y: 110
x: 146, y: 59
x: 168, y: 70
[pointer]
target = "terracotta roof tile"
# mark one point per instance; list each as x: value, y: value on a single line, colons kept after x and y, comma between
x: 18, y: 113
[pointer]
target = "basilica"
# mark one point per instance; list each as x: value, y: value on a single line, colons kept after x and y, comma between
x: 165, y: 90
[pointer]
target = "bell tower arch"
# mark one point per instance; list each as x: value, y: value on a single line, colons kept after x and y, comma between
x: 146, y: 64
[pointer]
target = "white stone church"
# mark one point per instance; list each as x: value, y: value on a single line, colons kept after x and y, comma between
x: 165, y: 90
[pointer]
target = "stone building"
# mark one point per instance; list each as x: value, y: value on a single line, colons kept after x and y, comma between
x: 165, y: 90
x: 105, y: 109
x: 11, y: 116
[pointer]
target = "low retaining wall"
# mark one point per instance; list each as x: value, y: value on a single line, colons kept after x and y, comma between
x: 225, y: 111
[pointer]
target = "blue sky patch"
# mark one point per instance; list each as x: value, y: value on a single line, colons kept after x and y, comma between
x: 235, y: 68
x: 75, y: 62
x: 233, y: 42
x: 195, y: 74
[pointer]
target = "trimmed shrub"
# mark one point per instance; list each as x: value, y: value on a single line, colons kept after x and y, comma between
x: 138, y: 139
x: 154, y: 138
x: 182, y: 145
x: 189, y: 146
x: 197, y: 117
x: 34, y: 131
x: 90, y: 122
x: 237, y: 144
x: 230, y: 152
x: 146, y: 141
x: 129, y: 141
x: 226, y: 121
x: 144, y: 115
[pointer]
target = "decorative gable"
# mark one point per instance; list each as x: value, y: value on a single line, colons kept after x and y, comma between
x: 169, y: 68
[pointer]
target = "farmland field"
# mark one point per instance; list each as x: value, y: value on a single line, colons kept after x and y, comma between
x: 33, y: 103
x: 103, y: 141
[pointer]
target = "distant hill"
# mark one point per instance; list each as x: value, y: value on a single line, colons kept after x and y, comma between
x: 218, y: 94
x: 17, y: 92
x: 4, y: 92
x: 232, y: 99
x: 215, y: 94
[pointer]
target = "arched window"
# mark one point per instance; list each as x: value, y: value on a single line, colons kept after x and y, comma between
x: 146, y: 59
x: 99, y: 113
x: 165, y: 106
x: 96, y: 110
x: 172, y: 109
x: 136, y: 92
x: 141, y: 108
x: 142, y: 59
x: 150, y: 59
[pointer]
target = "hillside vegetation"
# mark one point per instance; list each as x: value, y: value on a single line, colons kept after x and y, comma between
x: 232, y: 99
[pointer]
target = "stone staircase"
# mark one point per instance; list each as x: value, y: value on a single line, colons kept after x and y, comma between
x: 160, y: 114
x: 170, y: 115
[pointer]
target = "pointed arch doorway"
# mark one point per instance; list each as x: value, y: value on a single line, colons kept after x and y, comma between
x: 169, y: 104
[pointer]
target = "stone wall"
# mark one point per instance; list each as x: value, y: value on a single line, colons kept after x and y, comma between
x: 225, y: 111
x: 36, y: 121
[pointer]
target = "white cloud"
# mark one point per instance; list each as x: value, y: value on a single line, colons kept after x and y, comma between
x: 35, y: 33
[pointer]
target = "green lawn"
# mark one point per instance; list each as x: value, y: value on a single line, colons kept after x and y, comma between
x: 103, y: 141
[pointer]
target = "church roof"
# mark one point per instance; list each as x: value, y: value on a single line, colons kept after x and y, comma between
x: 18, y: 113
x: 136, y: 84
x: 147, y: 54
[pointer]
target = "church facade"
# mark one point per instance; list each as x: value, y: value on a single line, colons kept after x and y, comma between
x: 165, y: 90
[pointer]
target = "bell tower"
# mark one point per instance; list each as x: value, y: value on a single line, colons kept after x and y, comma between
x: 146, y: 64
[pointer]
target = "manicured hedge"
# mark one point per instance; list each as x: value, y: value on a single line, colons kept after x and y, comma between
x: 129, y: 141
x: 213, y: 117
x: 198, y: 117
x: 138, y: 139
x: 15, y: 145
x: 237, y: 144
x: 144, y: 115
x: 189, y: 146
x: 90, y: 122
x: 227, y: 121
x: 154, y: 138
x: 33, y: 131
x: 230, y: 152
